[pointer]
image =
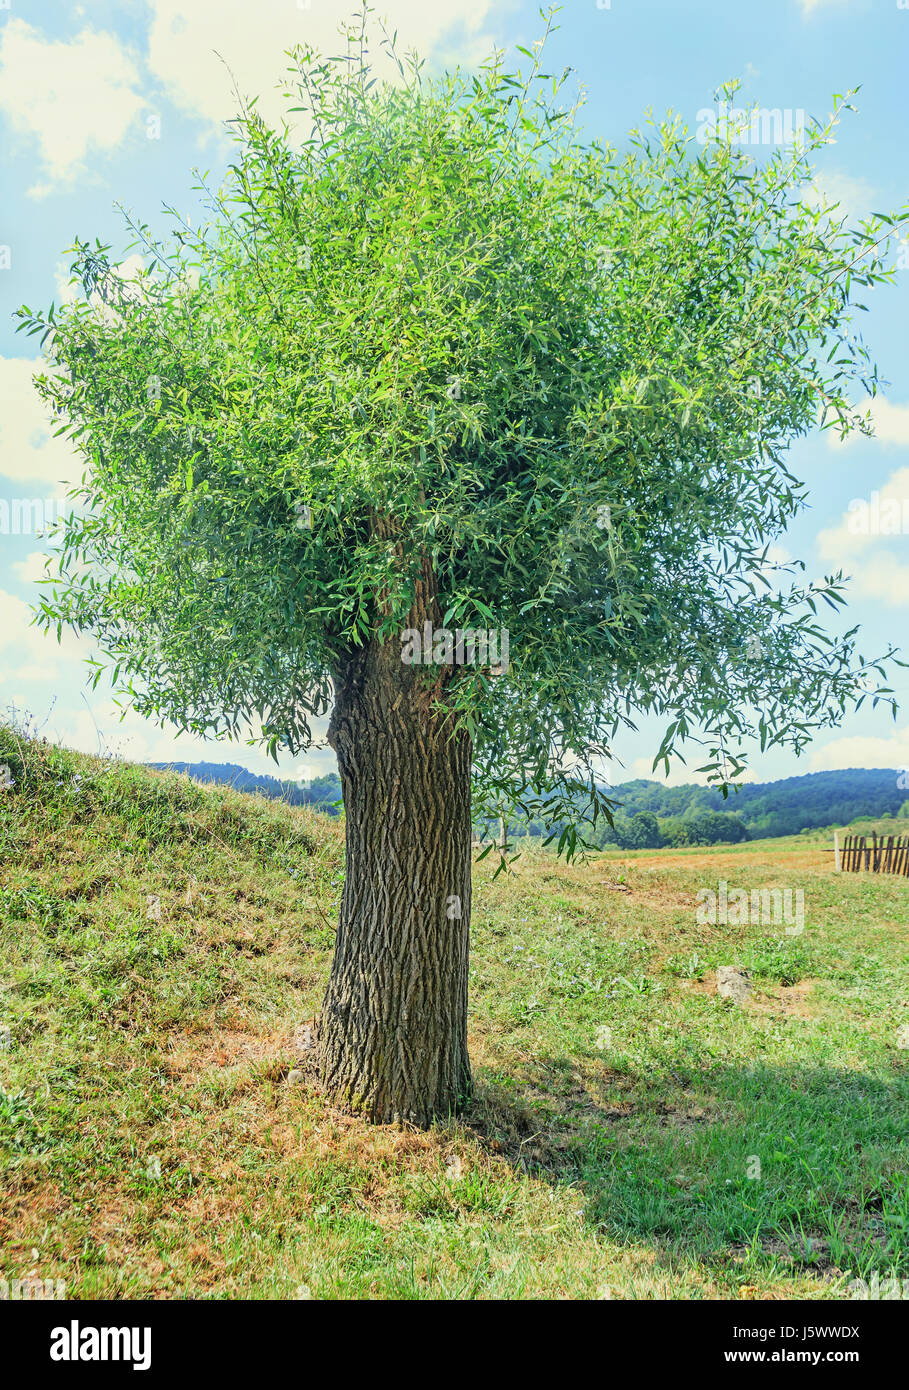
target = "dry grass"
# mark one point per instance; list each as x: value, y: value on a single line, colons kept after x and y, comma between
x: 153, y: 1146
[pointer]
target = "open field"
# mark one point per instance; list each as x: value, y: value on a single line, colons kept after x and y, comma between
x: 153, y: 1147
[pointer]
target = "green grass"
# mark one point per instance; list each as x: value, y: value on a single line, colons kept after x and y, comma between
x: 632, y: 1135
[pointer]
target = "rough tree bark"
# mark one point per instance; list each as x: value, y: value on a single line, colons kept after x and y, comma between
x: 392, y: 1034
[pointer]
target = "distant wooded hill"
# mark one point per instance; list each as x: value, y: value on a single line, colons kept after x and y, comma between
x: 777, y: 808
x: 321, y: 792
x: 650, y: 814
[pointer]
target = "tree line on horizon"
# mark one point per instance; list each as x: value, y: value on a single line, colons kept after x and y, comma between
x: 650, y: 815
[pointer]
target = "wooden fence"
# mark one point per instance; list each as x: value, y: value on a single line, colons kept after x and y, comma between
x: 877, y: 854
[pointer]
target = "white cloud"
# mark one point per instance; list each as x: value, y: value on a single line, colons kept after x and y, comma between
x: 130, y: 270
x: 889, y: 421
x: 132, y: 738
x: 71, y: 96
x: 863, y: 751
x: 140, y: 741
x: 29, y: 451
x: 856, y: 196
x: 187, y: 35
x: 31, y: 569
x: 809, y: 6
x: 867, y: 519
x: 779, y: 579
x: 883, y: 577
x: 28, y: 653
x: 871, y: 542
x: 680, y: 775
x: 57, y: 672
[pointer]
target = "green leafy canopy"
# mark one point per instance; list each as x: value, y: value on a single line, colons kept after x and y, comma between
x: 567, y: 375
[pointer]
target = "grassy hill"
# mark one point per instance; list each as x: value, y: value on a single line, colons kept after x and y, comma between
x: 161, y: 944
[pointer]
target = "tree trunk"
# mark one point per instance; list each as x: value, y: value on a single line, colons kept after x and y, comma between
x: 393, y: 1029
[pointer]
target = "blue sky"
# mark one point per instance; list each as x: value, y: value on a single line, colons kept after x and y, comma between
x: 103, y: 103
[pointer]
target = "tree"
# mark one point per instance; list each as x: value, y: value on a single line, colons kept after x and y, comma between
x: 471, y: 431
x: 675, y: 829
x: 713, y: 828
x: 642, y: 831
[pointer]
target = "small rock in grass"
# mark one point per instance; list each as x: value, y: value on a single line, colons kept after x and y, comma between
x: 733, y: 984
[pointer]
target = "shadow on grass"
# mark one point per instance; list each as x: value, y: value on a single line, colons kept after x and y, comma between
x: 797, y: 1167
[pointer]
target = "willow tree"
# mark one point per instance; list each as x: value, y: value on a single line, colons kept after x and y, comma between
x: 472, y: 433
